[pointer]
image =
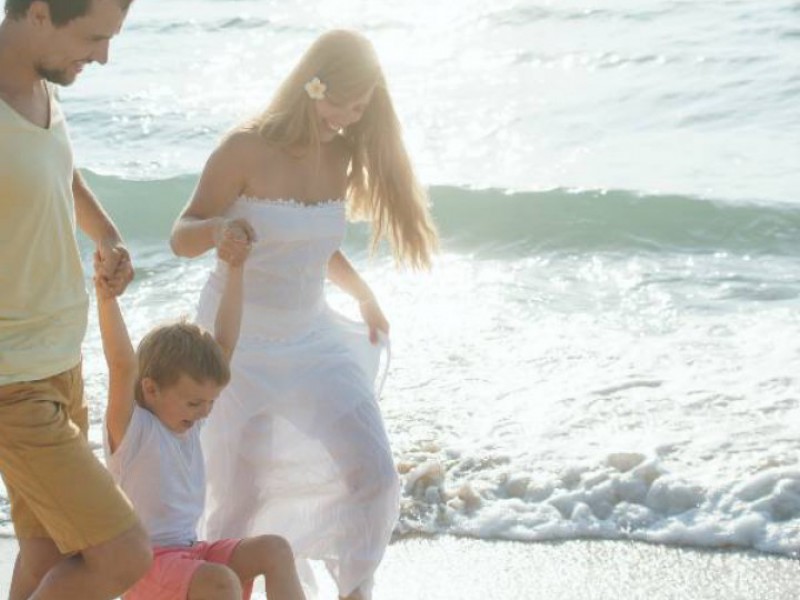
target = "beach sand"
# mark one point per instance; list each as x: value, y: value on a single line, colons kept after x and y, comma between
x: 446, y: 568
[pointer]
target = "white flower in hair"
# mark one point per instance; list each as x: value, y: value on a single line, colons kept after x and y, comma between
x: 316, y: 89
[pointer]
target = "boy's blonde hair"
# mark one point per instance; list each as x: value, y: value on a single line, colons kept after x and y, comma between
x: 381, y: 185
x: 176, y: 349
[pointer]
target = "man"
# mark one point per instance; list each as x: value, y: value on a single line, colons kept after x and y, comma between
x: 78, y: 536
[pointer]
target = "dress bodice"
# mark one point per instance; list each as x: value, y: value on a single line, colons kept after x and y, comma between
x: 285, y: 272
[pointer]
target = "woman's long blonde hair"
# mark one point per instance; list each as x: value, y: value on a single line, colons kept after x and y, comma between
x: 381, y: 185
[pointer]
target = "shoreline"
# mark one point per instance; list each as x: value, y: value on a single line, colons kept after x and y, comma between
x: 450, y: 568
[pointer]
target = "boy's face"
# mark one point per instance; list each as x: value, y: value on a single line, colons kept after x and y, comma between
x: 66, y: 50
x: 180, y: 405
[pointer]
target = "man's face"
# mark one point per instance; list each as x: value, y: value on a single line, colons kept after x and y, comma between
x: 65, y: 50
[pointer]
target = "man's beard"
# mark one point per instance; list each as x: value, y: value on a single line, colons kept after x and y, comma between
x: 57, y: 76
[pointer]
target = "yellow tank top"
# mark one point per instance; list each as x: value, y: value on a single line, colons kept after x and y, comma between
x: 43, y: 299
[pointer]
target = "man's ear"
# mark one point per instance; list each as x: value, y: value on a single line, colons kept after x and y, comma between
x: 39, y: 14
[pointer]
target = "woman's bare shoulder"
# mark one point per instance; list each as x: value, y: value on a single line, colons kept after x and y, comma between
x: 241, y: 143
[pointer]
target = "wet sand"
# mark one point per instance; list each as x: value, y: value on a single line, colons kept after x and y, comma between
x: 447, y: 568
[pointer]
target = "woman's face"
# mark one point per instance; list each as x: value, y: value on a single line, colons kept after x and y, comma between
x: 334, y: 118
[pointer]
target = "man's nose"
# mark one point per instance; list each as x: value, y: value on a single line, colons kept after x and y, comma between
x: 101, y: 54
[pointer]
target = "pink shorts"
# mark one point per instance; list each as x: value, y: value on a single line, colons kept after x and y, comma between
x: 174, y: 566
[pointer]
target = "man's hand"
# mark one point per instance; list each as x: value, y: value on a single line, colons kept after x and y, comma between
x: 113, y: 265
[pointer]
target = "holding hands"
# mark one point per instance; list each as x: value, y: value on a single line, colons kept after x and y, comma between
x: 112, y: 268
x: 233, y: 239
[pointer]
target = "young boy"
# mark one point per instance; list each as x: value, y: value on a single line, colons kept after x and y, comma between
x: 158, y: 398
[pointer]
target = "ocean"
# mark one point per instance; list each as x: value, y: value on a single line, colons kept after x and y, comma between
x: 607, y: 344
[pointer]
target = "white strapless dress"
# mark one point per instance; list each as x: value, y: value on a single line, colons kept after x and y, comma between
x: 296, y: 445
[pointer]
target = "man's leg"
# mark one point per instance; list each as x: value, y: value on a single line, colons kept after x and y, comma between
x: 35, y: 558
x: 58, y: 490
x: 100, y: 572
x: 104, y: 571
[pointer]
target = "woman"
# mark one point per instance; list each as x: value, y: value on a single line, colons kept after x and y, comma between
x: 296, y: 445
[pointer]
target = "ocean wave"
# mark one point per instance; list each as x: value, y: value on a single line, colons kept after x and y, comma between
x: 237, y: 23
x: 525, y: 15
x: 525, y: 223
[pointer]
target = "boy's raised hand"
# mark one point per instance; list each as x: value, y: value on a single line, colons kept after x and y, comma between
x: 234, y: 239
x: 115, y: 265
x: 117, y: 348
x: 112, y: 279
x: 102, y: 287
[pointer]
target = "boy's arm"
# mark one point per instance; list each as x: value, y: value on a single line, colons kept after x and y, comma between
x: 121, y: 360
x: 229, y: 313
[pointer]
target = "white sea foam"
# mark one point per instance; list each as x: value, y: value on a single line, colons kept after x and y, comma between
x: 642, y: 501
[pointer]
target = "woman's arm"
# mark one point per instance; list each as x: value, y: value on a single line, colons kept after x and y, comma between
x: 199, y: 226
x: 343, y: 275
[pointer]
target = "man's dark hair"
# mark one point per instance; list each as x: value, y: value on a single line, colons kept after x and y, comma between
x: 61, y: 11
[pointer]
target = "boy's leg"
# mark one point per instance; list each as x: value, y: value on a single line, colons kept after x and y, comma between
x: 272, y: 557
x: 61, y: 493
x: 213, y: 581
x: 187, y: 573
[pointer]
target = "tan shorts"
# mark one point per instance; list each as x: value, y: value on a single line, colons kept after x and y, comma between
x: 57, y: 487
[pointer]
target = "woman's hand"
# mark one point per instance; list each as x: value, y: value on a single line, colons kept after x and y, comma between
x: 374, y: 318
x: 233, y: 239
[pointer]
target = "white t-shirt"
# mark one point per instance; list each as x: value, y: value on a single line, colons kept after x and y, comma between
x: 163, y: 474
x: 43, y: 302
